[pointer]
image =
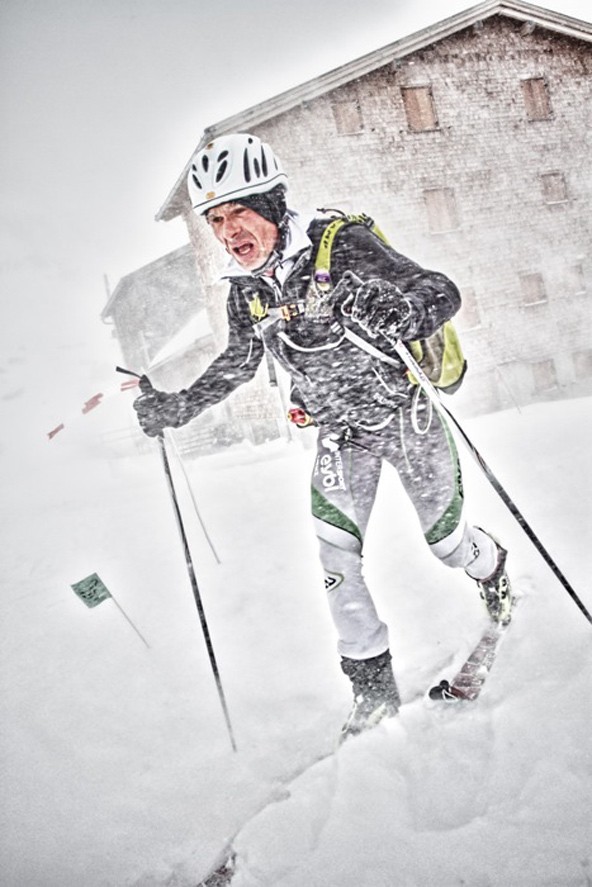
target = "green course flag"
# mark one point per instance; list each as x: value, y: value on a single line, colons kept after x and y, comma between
x: 91, y: 590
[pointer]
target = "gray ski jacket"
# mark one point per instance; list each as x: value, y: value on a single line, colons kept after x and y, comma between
x: 337, y: 382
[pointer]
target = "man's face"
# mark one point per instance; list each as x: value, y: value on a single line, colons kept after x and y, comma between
x: 246, y: 235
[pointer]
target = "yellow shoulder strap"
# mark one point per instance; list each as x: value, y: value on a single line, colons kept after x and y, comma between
x: 323, y: 257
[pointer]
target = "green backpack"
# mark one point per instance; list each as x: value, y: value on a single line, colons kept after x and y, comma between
x: 440, y: 356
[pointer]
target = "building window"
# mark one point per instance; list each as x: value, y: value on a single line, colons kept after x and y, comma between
x: 420, y: 110
x: 533, y: 289
x: 575, y: 282
x: 583, y: 364
x: 469, y: 317
x: 348, y: 116
x: 441, y: 209
x: 544, y: 375
x: 554, y: 187
x: 536, y: 98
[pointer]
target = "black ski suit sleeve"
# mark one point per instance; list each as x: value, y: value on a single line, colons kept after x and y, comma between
x: 236, y: 365
x: 433, y: 298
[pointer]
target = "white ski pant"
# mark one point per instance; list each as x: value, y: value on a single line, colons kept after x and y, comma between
x: 344, y: 483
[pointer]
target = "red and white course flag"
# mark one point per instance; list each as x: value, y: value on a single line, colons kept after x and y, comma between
x: 94, y: 401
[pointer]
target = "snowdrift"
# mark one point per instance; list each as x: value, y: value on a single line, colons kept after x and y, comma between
x: 117, y: 768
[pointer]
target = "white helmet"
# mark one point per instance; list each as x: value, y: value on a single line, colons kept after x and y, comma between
x: 230, y: 167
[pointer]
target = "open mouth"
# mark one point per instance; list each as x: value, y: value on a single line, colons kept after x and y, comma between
x: 244, y: 252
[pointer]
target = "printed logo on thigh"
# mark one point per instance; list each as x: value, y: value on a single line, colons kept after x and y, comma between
x: 332, y: 580
x: 330, y: 465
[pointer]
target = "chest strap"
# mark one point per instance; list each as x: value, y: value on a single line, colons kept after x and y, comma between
x: 264, y: 316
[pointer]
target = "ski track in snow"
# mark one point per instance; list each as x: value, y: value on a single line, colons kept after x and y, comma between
x: 116, y: 767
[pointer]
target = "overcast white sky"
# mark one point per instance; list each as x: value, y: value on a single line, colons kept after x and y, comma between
x: 102, y: 103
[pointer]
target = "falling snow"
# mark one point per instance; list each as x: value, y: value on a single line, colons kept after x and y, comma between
x: 117, y: 767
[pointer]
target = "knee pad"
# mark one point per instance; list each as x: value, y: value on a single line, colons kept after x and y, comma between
x: 458, y: 549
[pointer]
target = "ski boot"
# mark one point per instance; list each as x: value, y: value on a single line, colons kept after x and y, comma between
x: 496, y: 590
x: 375, y: 693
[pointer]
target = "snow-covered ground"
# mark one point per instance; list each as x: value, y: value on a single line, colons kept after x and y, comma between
x: 117, y: 769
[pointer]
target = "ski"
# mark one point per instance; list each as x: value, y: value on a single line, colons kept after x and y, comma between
x: 468, y: 682
x: 224, y: 868
x: 222, y: 874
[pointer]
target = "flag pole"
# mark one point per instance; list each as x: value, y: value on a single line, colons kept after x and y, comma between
x: 135, y: 628
x: 92, y: 591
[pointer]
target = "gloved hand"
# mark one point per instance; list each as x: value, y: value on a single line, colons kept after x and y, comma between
x: 379, y: 308
x: 159, y: 409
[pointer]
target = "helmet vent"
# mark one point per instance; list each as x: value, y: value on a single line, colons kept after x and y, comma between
x: 205, y: 162
x: 196, y: 181
x: 264, y: 163
x: 222, y: 166
x: 256, y: 167
x: 246, y: 166
x: 221, y: 171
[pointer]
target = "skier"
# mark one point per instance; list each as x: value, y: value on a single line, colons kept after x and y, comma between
x: 366, y: 408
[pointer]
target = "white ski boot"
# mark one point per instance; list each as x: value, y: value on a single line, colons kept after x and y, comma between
x: 496, y: 590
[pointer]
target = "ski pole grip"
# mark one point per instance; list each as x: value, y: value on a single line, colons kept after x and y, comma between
x: 119, y: 369
x: 145, y: 384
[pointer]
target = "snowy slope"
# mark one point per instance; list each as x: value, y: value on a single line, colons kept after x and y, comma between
x: 116, y: 767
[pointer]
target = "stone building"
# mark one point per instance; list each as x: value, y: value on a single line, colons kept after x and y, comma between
x: 159, y: 319
x: 469, y: 142
x: 150, y: 307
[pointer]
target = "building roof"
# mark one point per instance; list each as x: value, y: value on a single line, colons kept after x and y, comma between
x: 535, y: 16
x: 164, y: 271
x: 197, y: 327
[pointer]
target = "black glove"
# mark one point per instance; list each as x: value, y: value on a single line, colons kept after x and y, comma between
x: 379, y: 308
x: 159, y: 409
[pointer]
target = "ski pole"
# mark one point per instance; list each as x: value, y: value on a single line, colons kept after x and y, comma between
x: 195, y: 589
x: 431, y: 392
x: 192, y: 578
x: 434, y: 397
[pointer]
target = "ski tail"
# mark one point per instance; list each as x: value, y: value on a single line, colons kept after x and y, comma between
x: 467, y: 683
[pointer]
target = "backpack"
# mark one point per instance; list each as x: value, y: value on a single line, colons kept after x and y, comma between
x: 440, y: 356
